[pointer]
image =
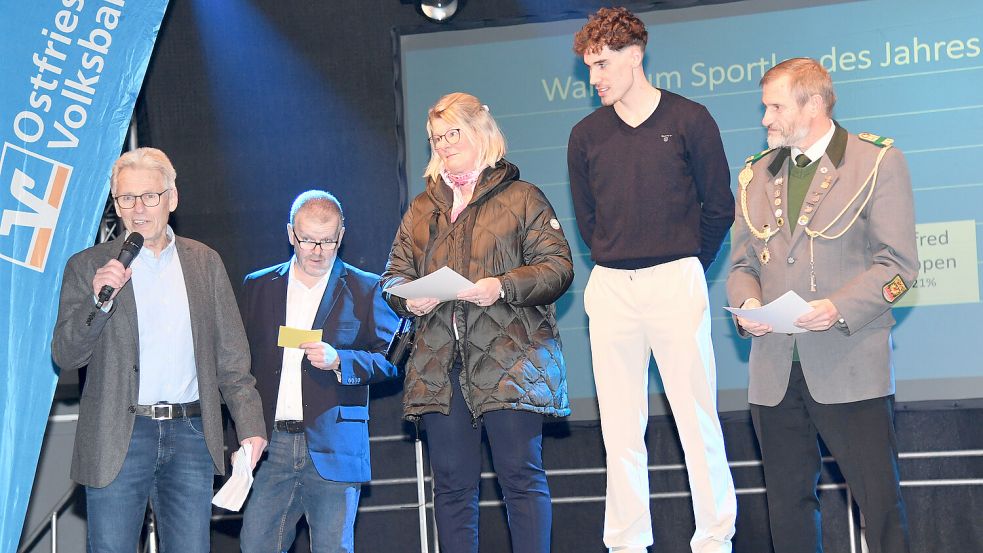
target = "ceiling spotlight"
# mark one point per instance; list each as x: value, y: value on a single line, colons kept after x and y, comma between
x: 438, y: 11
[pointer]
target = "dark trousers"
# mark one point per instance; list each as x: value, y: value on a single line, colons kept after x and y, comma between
x: 454, y: 446
x: 861, y: 437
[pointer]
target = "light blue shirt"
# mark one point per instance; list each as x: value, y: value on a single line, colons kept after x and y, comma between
x: 167, y: 354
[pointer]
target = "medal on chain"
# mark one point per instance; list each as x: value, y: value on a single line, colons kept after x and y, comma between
x: 766, y: 232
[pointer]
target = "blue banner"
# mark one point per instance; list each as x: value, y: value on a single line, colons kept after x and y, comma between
x: 71, y: 71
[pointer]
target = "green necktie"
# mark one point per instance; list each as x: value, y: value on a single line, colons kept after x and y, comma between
x: 797, y: 192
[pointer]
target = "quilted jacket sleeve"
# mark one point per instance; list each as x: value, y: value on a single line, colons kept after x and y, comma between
x: 401, y: 266
x: 548, y: 269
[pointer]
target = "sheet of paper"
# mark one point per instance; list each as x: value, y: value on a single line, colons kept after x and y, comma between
x: 780, y: 314
x: 443, y: 284
x: 293, y: 337
x: 234, y: 492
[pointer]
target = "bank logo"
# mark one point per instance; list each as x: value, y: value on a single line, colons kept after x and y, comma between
x: 32, y: 189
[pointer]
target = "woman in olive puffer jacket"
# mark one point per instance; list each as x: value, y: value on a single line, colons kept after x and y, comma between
x: 492, y: 357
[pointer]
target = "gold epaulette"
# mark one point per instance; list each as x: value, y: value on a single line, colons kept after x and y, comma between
x: 757, y: 156
x: 880, y: 141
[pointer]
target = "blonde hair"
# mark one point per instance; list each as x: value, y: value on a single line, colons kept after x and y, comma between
x: 145, y: 158
x: 464, y: 111
x: 806, y: 78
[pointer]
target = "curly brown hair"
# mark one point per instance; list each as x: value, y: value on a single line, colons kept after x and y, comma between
x: 616, y: 28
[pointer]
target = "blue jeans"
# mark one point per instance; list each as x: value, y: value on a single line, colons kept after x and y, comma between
x: 454, y: 446
x: 168, y: 462
x: 288, y: 486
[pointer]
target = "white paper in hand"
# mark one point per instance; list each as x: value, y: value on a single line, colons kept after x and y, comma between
x: 233, y: 493
x: 443, y: 284
x: 780, y: 314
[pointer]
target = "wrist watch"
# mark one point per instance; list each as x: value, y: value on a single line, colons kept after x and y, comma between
x: 501, y: 289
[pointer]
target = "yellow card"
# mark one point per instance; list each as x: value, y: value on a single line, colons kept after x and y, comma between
x: 294, y: 337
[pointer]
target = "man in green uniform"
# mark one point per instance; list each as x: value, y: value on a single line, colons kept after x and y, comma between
x: 829, y: 215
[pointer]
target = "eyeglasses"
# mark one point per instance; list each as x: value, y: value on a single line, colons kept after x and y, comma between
x: 311, y: 245
x: 150, y: 199
x: 450, y: 137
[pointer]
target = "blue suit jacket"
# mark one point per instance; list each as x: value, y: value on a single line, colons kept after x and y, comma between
x: 356, y: 322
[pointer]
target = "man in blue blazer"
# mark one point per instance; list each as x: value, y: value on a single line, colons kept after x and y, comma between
x: 315, y: 397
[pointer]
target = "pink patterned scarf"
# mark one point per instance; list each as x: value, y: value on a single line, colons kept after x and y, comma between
x: 462, y: 184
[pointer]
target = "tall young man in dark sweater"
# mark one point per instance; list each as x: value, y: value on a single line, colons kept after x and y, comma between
x: 651, y: 192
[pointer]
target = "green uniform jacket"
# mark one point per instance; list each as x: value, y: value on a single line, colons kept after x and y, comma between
x: 851, y: 361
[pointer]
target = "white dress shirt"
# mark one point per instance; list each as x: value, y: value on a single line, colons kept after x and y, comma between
x: 302, y: 304
x: 818, y: 149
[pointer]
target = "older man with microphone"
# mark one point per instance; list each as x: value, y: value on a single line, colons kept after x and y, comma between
x: 160, y: 332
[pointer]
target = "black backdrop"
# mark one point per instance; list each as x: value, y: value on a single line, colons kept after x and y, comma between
x: 246, y: 138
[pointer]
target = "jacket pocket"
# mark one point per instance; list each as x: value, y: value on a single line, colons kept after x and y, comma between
x: 344, y: 334
x: 353, y: 413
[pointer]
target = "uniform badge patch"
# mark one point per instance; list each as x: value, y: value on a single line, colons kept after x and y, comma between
x: 555, y: 224
x: 894, y: 289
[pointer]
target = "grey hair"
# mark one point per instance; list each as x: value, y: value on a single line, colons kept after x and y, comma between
x: 808, y: 77
x: 320, y: 202
x: 145, y: 158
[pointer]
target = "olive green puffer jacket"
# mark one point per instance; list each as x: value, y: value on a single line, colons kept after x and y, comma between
x: 511, y: 349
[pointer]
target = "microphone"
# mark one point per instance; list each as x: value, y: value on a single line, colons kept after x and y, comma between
x: 131, y: 247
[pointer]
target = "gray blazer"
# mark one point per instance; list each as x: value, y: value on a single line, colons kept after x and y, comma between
x: 848, y: 362
x: 109, y: 347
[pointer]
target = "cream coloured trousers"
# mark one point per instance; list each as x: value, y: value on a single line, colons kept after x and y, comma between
x: 661, y: 311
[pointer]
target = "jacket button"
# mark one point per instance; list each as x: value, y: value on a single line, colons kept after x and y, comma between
x: 136, y: 369
x: 132, y: 409
x: 790, y: 260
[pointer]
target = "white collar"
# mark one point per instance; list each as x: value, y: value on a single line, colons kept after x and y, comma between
x: 166, y: 252
x: 818, y: 149
x: 293, y: 279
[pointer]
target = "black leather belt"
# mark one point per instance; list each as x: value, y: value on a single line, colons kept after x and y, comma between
x: 167, y: 411
x: 293, y: 427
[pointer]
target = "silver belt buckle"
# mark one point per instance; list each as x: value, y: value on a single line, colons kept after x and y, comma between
x: 162, y: 411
